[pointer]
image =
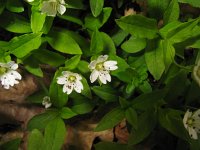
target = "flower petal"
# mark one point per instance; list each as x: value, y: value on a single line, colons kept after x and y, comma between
x: 67, y: 88
x: 108, y: 77
x: 110, y: 65
x: 15, y: 74
x: 185, y: 118
x: 94, y: 75
x: 193, y: 133
x: 92, y: 64
x: 48, y: 8
x: 61, y: 80
x: 102, y: 78
x: 78, y: 86
x: 102, y: 58
x: 61, y: 9
x: 196, y: 115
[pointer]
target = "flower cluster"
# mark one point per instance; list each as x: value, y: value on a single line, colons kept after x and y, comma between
x: 100, y: 70
x: 51, y: 7
x: 191, y: 122
x: 8, y: 74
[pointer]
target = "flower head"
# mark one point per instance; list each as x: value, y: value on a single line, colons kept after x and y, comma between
x: 196, y: 72
x: 8, y: 75
x: 70, y: 81
x: 51, y: 7
x: 101, y: 69
x: 191, y: 122
x: 46, y: 102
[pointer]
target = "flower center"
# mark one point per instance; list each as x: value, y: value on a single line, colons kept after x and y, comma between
x: 190, y: 122
x: 99, y: 66
x: 72, y: 78
x: 2, y: 70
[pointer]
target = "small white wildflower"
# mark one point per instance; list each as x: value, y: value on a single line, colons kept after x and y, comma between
x: 8, y: 75
x: 46, y: 102
x: 70, y: 81
x: 196, y: 72
x: 101, y: 69
x: 191, y: 122
x: 51, y: 7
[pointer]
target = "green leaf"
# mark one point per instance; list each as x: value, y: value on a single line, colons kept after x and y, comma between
x: 194, y: 3
x: 108, y: 44
x: 15, y: 6
x: 40, y: 121
x: 145, y: 87
x: 96, y: 45
x: 121, y: 63
x: 86, y: 89
x: 119, y: 36
x: 49, y: 57
x: 97, y: 22
x: 172, y: 12
x: 67, y: 113
x: 2, y: 5
x: 177, y: 32
x: 169, y: 53
x: 139, y: 26
x: 35, y: 140
x: 156, y: 8
x: 110, y: 119
x: 32, y: 66
x: 62, y: 42
x: 96, y: 7
x: 72, y: 63
x: 134, y: 45
x: 172, y: 121
x: 106, y: 93
x: 22, y: 45
x: 148, y: 100
x: 83, y: 66
x: 81, y: 104
x: 110, y: 146
x: 58, y: 98
x: 146, y: 123
x: 37, y: 19
x: 54, y: 134
x: 71, y: 18
x: 131, y: 117
x: 47, y: 24
x: 14, y: 23
x: 11, y: 145
x: 154, y: 58
x: 37, y: 97
x: 75, y: 4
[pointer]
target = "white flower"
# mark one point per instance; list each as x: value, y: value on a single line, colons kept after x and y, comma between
x: 191, y: 122
x: 46, y: 102
x: 51, y: 7
x: 196, y: 72
x: 101, y: 69
x: 70, y: 81
x: 8, y: 75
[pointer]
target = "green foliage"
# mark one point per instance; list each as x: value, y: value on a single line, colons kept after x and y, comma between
x: 110, y: 119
